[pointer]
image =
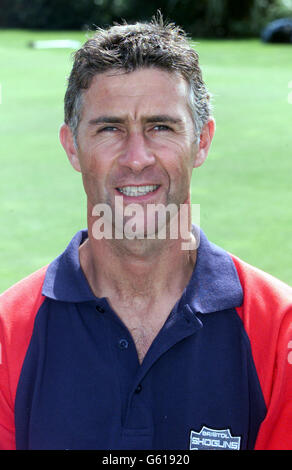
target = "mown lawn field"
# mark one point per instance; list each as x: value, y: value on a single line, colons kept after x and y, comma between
x: 244, y: 188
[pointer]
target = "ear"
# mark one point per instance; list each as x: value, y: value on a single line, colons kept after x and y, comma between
x: 206, y: 137
x: 67, y: 141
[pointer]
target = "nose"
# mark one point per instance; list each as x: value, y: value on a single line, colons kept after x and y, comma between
x: 137, y: 155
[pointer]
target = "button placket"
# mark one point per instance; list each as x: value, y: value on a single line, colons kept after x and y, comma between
x: 100, y: 309
x: 123, y: 343
x: 138, y: 389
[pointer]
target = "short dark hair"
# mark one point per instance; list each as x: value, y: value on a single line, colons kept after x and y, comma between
x: 129, y: 47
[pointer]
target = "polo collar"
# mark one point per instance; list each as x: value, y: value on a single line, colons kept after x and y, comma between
x: 64, y: 280
x: 214, y: 284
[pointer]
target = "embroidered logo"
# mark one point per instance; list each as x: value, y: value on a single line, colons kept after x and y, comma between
x: 213, y: 439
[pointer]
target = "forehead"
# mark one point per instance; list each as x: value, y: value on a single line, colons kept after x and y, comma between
x: 147, y: 88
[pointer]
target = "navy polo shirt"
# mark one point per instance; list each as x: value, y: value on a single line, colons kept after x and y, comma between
x: 81, y: 385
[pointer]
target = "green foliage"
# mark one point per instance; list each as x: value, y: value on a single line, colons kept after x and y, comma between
x: 264, y: 11
x: 200, y: 18
x: 49, y: 14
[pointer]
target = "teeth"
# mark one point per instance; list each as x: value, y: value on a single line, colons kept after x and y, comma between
x: 138, y: 190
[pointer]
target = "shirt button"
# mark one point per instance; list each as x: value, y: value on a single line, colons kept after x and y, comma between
x: 138, y: 389
x: 99, y: 309
x: 123, y: 343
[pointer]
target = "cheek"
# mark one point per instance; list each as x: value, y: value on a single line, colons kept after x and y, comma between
x: 92, y: 164
x: 93, y: 174
x: 180, y: 172
x: 180, y: 165
x: 99, y: 157
x: 86, y: 160
x: 94, y: 188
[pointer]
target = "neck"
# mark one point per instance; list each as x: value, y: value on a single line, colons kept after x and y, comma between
x: 139, y: 270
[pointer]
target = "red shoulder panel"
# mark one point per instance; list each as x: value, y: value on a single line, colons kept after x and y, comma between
x: 18, y: 308
x: 267, y: 317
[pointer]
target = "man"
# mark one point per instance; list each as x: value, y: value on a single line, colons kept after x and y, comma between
x: 128, y: 340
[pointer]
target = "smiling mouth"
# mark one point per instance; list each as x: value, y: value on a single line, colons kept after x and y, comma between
x: 135, y: 191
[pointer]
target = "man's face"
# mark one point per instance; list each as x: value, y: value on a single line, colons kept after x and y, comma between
x: 136, y: 139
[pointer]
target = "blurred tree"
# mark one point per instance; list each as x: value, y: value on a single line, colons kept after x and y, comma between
x: 200, y: 18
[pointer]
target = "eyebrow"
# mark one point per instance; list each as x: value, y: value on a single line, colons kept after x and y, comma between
x: 147, y: 119
x: 106, y: 119
x: 163, y: 118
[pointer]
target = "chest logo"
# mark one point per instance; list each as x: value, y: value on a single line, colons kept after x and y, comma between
x: 213, y: 439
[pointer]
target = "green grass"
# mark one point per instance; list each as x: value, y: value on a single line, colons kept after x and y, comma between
x: 244, y: 188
